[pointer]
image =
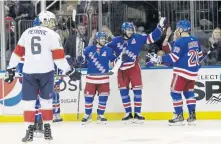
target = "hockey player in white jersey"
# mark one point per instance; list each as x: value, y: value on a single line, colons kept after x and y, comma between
x: 42, y: 48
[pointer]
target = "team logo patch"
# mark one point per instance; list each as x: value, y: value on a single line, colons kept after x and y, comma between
x: 104, y: 54
x: 133, y: 41
x: 176, y: 49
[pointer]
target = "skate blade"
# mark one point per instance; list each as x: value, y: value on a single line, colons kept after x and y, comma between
x: 191, y: 123
x: 48, y: 140
x: 131, y: 121
x: 39, y: 134
x: 177, y: 124
x: 85, y: 123
x: 57, y: 120
x: 102, y: 122
x: 136, y: 121
x: 27, y: 142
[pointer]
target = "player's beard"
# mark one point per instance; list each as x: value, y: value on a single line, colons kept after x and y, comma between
x: 128, y: 35
x: 101, y: 43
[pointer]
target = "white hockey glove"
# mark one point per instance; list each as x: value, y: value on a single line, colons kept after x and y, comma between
x: 163, y: 23
x: 154, y: 58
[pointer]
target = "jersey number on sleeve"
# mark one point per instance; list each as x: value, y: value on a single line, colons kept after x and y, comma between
x: 193, y: 58
x: 35, y: 45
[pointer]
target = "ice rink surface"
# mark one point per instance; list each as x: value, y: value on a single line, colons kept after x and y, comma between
x: 151, y: 132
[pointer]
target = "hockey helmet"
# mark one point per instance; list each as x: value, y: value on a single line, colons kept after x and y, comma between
x: 128, y: 29
x: 127, y: 25
x: 47, y: 19
x: 183, y: 26
x: 101, y: 38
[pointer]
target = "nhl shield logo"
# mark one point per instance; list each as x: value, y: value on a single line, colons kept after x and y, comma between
x: 133, y: 41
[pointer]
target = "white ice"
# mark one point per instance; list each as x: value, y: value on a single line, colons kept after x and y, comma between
x: 151, y: 132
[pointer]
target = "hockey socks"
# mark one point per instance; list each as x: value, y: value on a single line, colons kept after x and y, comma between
x: 177, y: 102
x: 102, y: 104
x: 190, y: 101
x: 56, y: 103
x: 56, y: 109
x: 88, y: 104
x: 126, y: 100
x: 137, y: 101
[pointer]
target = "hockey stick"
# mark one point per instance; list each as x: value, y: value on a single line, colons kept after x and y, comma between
x: 206, y: 56
x: 79, y: 92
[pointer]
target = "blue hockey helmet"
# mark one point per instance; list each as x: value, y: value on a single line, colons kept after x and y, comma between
x: 36, y: 22
x: 183, y: 26
x: 99, y: 35
x: 101, y: 38
x: 127, y: 25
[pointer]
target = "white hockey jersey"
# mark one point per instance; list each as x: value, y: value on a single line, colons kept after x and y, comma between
x: 41, y: 47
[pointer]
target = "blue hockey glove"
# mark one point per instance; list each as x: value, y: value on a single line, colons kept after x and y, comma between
x: 81, y: 59
x: 124, y: 57
x: 74, y: 75
x: 10, y: 74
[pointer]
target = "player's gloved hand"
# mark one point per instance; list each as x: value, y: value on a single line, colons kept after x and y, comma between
x: 81, y: 59
x: 154, y: 58
x: 163, y: 23
x: 74, y: 74
x: 10, y: 74
x: 124, y: 57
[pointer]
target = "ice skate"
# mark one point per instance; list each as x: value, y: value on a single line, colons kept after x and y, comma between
x: 192, y: 118
x: 57, y: 118
x: 128, y: 118
x: 138, y: 118
x: 47, y: 132
x: 101, y: 119
x: 177, y: 120
x: 29, y: 134
x: 86, y: 119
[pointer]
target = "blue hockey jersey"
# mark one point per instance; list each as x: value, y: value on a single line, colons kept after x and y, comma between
x: 185, y: 56
x: 132, y: 46
x: 98, y: 62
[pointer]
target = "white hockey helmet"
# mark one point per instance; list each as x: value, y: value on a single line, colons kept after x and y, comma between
x: 47, y: 19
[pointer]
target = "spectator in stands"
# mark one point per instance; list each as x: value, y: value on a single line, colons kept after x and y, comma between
x: 215, y: 47
x: 62, y: 29
x: 25, y: 10
x: 76, y: 42
x: 12, y: 8
x: 9, y: 33
x: 141, y: 30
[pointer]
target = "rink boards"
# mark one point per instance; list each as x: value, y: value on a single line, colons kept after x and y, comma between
x: 157, y: 102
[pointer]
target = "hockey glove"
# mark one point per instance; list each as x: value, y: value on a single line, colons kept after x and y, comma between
x: 80, y: 59
x: 10, y: 74
x: 163, y: 23
x: 124, y: 57
x: 154, y: 58
x: 74, y: 75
